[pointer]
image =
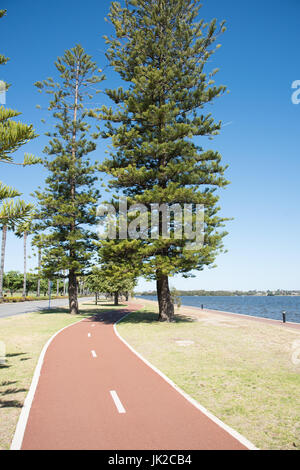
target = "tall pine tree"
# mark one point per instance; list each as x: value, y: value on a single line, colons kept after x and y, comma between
x: 69, y: 201
x: 161, y: 50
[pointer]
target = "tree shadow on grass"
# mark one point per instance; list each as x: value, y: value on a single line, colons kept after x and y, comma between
x: 6, y: 383
x: 11, y: 391
x: 100, y: 302
x: 84, y: 313
x: 140, y: 317
x: 113, y: 305
x: 52, y: 311
x: 103, y: 305
x: 105, y: 314
x: 5, y: 364
x: 15, y: 354
x: 109, y: 316
x: 10, y: 404
x: 152, y: 317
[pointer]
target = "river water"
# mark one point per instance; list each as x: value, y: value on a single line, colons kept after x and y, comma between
x: 259, y: 306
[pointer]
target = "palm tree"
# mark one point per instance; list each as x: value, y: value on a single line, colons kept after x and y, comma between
x: 38, y: 292
x: 10, y: 212
x: 3, y: 244
x: 38, y: 242
x: 23, y: 230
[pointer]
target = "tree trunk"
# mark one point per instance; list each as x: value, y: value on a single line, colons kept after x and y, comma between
x: 25, y: 264
x: 4, y: 234
x: 73, y: 287
x: 127, y: 296
x: 116, y: 297
x: 165, y: 303
x: 38, y: 292
x: 65, y: 283
x: 73, y: 298
x: 96, y: 297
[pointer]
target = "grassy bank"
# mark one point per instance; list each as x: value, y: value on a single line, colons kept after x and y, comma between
x: 240, y: 370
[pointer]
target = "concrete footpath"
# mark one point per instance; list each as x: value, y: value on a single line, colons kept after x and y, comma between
x: 18, y: 308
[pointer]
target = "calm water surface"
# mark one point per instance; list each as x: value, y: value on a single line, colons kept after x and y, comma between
x: 265, y: 306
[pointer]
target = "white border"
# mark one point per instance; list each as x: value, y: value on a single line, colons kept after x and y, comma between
x: 23, y: 418
x: 207, y: 413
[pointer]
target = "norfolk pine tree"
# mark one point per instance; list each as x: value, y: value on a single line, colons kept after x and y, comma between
x: 110, y: 279
x: 120, y: 262
x: 160, y: 49
x: 69, y: 201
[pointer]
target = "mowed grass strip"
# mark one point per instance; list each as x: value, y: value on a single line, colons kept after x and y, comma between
x: 24, y: 337
x: 242, y: 371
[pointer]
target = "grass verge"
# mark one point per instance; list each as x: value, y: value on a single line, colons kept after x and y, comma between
x: 240, y: 370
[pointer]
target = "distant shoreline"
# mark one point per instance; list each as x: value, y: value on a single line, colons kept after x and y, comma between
x: 223, y: 295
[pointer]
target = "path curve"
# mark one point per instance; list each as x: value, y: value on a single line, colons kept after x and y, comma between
x: 95, y: 393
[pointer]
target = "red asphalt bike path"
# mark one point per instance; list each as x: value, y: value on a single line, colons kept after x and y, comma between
x: 95, y: 393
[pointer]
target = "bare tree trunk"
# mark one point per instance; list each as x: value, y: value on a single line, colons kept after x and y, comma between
x: 25, y: 264
x: 96, y: 297
x: 3, y: 245
x: 57, y: 288
x: 65, y: 283
x: 38, y: 292
x: 73, y: 288
x: 165, y: 302
x: 73, y: 298
x: 116, y: 297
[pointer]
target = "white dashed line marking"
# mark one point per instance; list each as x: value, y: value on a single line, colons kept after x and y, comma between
x: 94, y: 354
x: 117, y: 402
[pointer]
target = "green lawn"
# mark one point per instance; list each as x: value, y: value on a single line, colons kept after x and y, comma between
x: 240, y: 370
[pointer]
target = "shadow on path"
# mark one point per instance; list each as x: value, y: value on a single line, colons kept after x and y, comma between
x: 109, y: 317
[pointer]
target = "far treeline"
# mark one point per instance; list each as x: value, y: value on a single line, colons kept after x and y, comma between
x: 158, y: 126
x: 223, y: 293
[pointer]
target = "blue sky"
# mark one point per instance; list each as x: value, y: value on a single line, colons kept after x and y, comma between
x: 258, y: 62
